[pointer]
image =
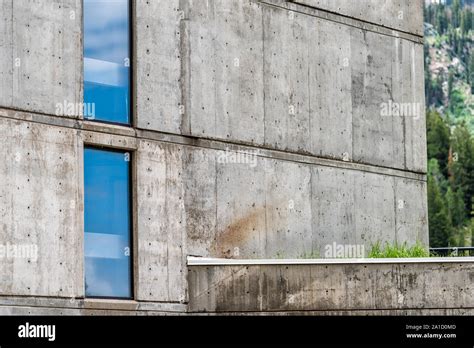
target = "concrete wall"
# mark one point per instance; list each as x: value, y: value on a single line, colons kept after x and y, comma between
x: 261, y: 73
x: 293, y: 92
x: 365, y: 287
x: 189, y: 201
x: 158, y: 75
x: 405, y: 16
x: 40, y: 54
x: 41, y: 204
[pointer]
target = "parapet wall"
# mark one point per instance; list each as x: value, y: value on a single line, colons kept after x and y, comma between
x: 373, y: 286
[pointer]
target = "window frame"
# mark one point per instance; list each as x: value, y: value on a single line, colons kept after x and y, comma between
x: 131, y: 32
x: 131, y: 216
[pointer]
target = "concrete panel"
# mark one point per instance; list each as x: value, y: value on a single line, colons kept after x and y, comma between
x: 330, y: 90
x: 362, y: 286
x: 374, y: 200
x: 161, y: 222
x: 158, y: 65
x: 200, y: 199
x: 333, y: 208
x: 354, y: 208
x: 307, y: 85
x: 377, y: 138
x: 408, y: 93
x: 287, y: 100
x: 411, y: 211
x: 402, y: 92
x: 403, y: 15
x: 288, y: 209
x: 41, y: 54
x: 226, y: 72
x: 41, y: 205
x: 6, y: 67
x: 241, y: 208
x: 415, y: 129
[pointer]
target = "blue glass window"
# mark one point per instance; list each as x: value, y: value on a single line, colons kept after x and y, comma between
x: 107, y: 241
x: 107, y: 60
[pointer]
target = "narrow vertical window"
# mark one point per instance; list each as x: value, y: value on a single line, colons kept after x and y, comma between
x: 107, y: 238
x: 107, y: 60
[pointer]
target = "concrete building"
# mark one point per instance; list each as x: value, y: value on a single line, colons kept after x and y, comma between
x: 260, y: 129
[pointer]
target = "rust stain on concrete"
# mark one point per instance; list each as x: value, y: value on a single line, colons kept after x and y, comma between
x: 238, y: 233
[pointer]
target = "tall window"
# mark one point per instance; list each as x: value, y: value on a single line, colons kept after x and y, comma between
x: 107, y: 60
x: 107, y: 238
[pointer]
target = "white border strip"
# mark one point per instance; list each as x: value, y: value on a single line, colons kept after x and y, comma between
x: 203, y: 261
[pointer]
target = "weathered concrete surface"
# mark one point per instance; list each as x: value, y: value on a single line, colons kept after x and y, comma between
x: 41, y: 204
x: 11, y: 305
x: 401, y: 15
x: 283, y: 209
x: 252, y: 72
x: 193, y: 203
x: 350, y: 288
x: 6, y: 68
x: 187, y: 205
x: 161, y: 222
x: 297, y: 94
x: 158, y: 65
x: 226, y: 86
x: 203, y: 72
x: 40, y: 54
x: 196, y: 201
x: 363, y: 208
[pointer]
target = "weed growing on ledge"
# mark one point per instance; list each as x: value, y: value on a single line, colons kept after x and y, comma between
x: 397, y: 251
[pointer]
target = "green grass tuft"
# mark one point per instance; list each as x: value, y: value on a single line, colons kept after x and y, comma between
x: 397, y: 251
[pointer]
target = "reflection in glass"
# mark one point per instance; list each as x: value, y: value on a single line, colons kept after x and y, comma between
x: 106, y: 60
x: 107, y: 224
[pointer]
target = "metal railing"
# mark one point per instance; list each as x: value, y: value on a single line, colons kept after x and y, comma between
x: 453, y: 251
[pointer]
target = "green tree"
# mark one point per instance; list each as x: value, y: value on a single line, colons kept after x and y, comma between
x: 438, y: 140
x: 466, y: 20
x: 463, y: 23
x: 428, y: 84
x: 456, y: 12
x: 471, y: 72
x: 462, y: 164
x: 456, y: 207
x: 441, y: 19
x: 450, y: 83
x: 427, y: 13
x: 460, y: 47
x: 453, y: 40
x: 437, y: 95
x: 439, y: 224
x: 469, y: 19
x: 470, y: 229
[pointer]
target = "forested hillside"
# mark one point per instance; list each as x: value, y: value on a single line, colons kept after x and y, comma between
x: 449, y: 87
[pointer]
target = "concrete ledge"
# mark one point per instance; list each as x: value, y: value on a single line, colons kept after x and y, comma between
x: 404, y: 16
x: 418, y: 286
x: 24, y: 305
x: 206, y: 261
x: 304, y: 7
